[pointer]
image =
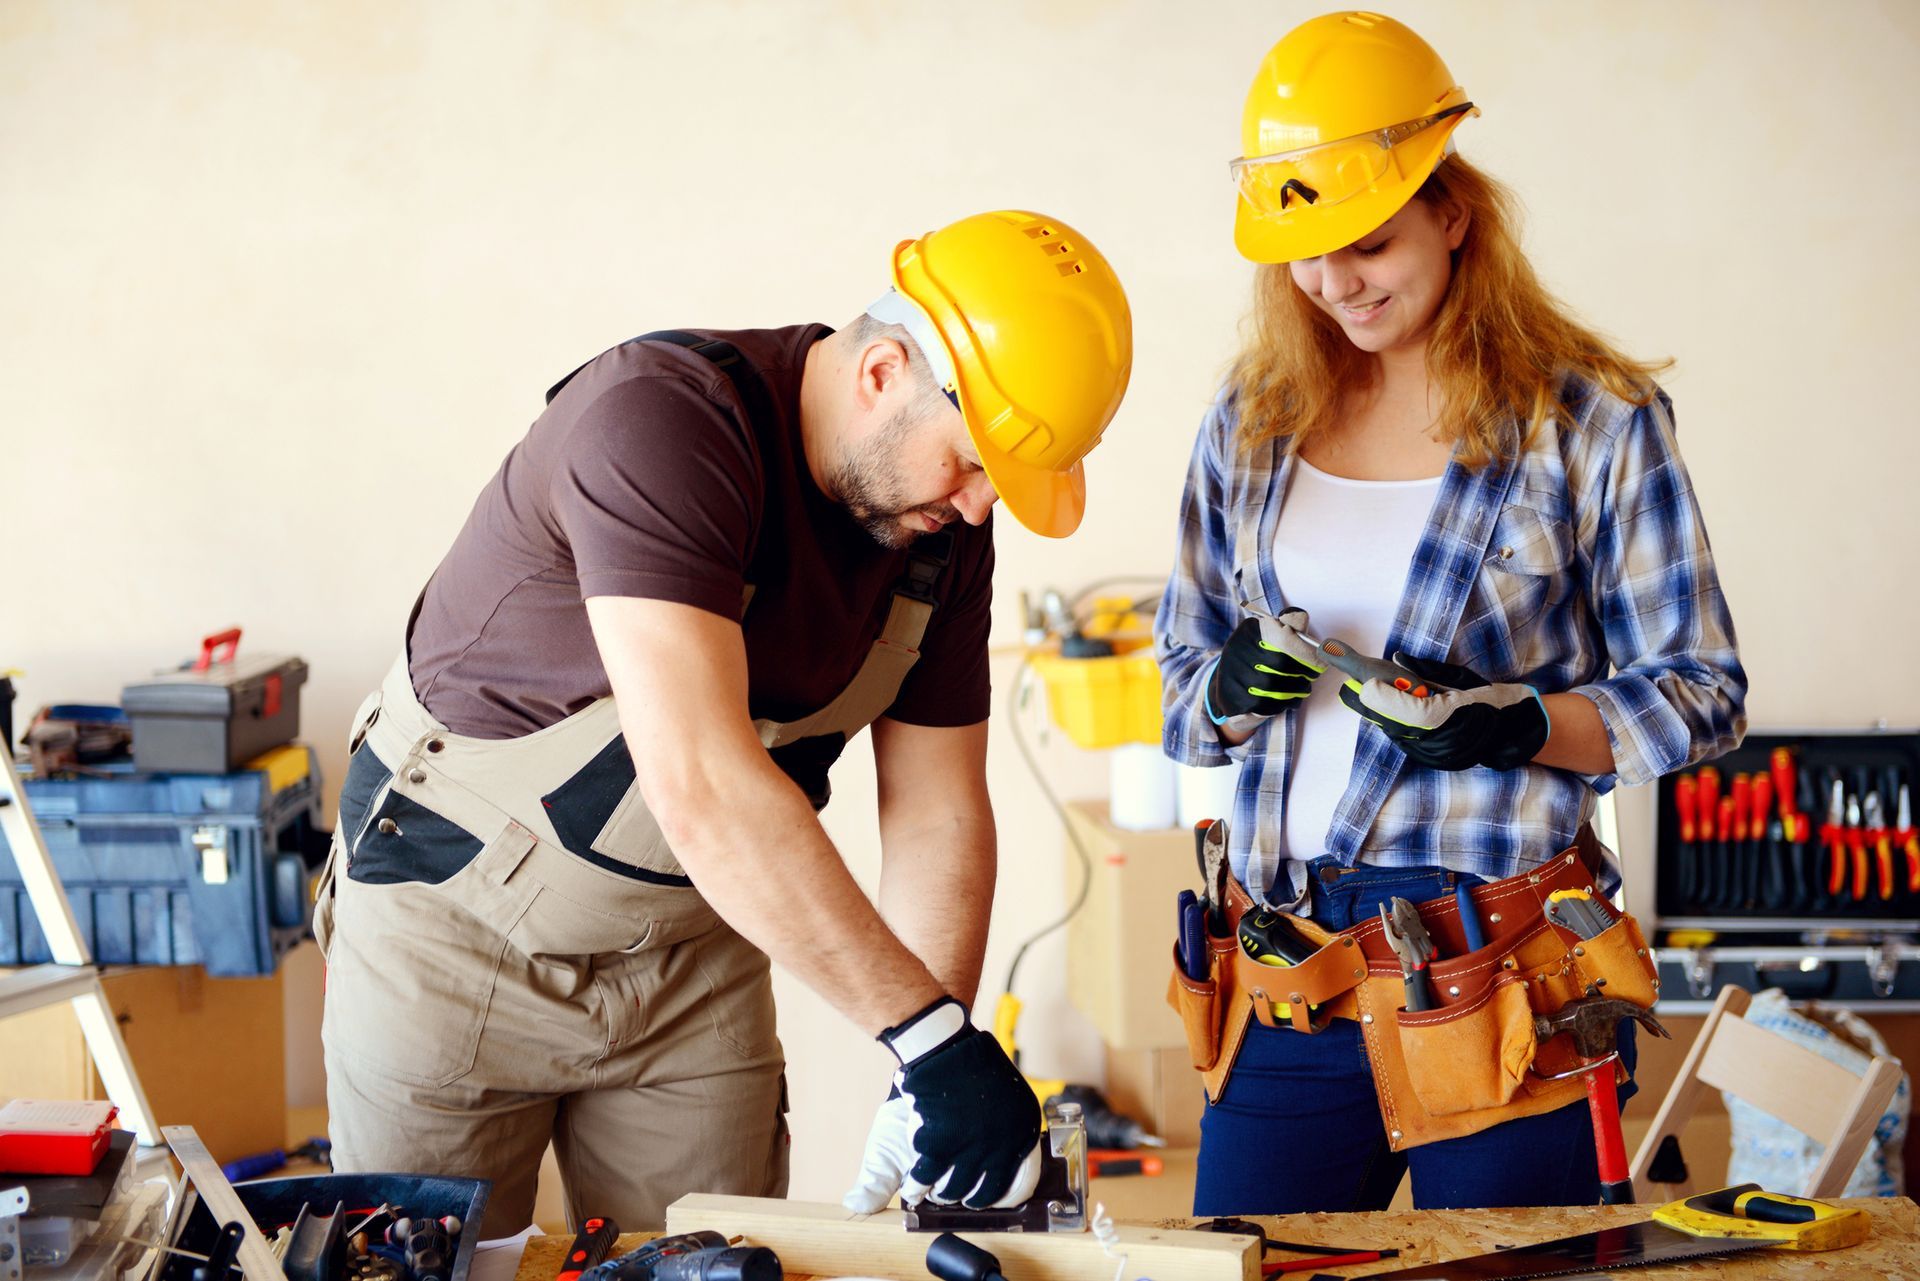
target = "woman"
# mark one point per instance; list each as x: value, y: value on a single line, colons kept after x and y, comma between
x: 1421, y: 453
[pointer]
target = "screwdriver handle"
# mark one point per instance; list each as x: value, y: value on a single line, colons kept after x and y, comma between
x: 1709, y: 801
x: 1686, y: 802
x: 1742, y: 805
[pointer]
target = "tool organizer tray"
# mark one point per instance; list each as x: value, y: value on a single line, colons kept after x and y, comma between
x: 275, y: 1202
x: 1767, y: 887
x: 1761, y: 913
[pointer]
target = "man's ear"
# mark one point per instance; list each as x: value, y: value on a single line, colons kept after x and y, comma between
x: 883, y: 362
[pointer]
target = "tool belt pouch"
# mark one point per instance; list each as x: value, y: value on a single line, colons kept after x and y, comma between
x: 1475, y: 1060
x: 1215, y: 1011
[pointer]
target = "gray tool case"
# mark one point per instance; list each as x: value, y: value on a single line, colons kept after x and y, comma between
x: 214, y: 714
x: 1759, y: 913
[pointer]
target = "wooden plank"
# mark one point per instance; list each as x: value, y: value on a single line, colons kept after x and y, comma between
x: 822, y: 1239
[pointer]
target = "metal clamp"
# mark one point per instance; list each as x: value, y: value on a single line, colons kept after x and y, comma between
x: 1699, y: 974
x: 13, y: 1205
x: 1883, y: 966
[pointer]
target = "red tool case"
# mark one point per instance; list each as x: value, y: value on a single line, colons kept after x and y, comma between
x: 48, y: 1137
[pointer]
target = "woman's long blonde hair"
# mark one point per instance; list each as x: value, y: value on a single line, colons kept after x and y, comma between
x: 1498, y: 352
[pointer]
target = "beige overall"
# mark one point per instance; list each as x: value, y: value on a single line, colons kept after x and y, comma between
x: 508, y: 990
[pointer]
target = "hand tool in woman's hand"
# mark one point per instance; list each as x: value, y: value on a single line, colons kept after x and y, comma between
x: 1360, y: 668
x: 1407, y: 936
x: 1265, y: 667
x: 1465, y: 722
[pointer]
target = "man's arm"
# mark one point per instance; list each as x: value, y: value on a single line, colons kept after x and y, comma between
x: 741, y: 828
x: 937, y: 845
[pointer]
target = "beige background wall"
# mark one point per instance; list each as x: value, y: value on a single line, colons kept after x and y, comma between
x: 279, y: 284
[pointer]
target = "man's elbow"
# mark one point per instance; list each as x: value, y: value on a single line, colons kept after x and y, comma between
x: 684, y: 791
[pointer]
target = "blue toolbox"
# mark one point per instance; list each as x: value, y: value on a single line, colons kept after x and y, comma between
x: 176, y: 869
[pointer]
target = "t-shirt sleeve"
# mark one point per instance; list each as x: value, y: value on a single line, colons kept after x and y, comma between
x: 653, y: 489
x: 951, y: 684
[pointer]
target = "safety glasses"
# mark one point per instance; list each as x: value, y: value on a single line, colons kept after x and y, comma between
x: 1328, y: 172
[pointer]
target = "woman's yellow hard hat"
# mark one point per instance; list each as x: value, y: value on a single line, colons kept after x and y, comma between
x: 1347, y: 116
x: 1037, y: 333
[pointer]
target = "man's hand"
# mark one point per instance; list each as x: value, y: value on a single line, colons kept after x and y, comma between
x: 1466, y: 724
x: 1264, y: 668
x: 962, y: 1124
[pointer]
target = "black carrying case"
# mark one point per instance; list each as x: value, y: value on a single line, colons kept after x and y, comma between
x: 1764, y: 915
x: 212, y: 717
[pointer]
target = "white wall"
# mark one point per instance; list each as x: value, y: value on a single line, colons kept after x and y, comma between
x: 281, y: 282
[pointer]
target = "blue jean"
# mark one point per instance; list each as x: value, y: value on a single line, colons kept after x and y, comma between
x: 1298, y: 1129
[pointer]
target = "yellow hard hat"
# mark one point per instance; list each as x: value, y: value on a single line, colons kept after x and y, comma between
x: 1347, y: 116
x: 1039, y: 345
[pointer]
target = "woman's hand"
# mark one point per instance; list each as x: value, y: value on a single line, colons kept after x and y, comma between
x: 1463, y: 722
x: 1264, y: 668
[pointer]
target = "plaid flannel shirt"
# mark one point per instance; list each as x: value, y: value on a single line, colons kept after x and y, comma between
x: 1583, y: 565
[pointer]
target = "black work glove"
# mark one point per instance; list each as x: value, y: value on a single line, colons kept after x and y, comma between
x: 961, y: 1125
x: 1264, y: 668
x: 1463, y: 721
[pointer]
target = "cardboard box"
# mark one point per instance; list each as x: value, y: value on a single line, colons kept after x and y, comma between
x: 1120, y: 945
x: 1159, y: 1089
x: 211, y: 1053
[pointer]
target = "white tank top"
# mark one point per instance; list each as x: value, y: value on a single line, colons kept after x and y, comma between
x: 1341, y: 553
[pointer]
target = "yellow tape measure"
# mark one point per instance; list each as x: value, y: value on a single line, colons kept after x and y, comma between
x: 1748, y: 1212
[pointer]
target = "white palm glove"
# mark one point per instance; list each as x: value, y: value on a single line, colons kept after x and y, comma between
x: 961, y: 1125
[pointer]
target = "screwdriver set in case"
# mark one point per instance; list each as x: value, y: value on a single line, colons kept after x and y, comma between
x: 1793, y: 862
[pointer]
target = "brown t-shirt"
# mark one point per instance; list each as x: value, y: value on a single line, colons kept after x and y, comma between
x: 646, y: 477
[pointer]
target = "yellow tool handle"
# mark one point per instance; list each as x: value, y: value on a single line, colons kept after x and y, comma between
x: 1747, y: 1211
x: 1006, y: 1014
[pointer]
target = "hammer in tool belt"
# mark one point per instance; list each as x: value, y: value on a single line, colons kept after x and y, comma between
x: 1593, y: 1022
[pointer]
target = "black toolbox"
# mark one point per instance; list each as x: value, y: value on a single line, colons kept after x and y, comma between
x: 215, y: 713
x: 1823, y: 910
x: 276, y: 1203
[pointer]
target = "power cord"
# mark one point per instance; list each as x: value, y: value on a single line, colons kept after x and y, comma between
x: 1016, y: 701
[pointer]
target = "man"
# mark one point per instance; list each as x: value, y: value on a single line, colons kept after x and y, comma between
x: 580, y: 812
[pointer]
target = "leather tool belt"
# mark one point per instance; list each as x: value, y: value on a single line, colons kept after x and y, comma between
x: 1475, y: 1059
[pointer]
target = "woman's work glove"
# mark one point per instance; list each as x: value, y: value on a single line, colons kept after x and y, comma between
x: 1462, y: 722
x: 1264, y: 668
x: 961, y: 1125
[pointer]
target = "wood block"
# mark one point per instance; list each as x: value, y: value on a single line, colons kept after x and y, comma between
x: 827, y: 1240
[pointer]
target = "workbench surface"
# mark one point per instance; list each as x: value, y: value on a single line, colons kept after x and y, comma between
x: 1431, y: 1236
x: 1434, y: 1236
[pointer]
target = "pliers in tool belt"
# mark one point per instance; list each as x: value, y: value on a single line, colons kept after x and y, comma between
x: 1407, y: 936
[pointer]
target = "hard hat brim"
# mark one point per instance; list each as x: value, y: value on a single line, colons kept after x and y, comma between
x: 1310, y: 232
x: 1048, y: 502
